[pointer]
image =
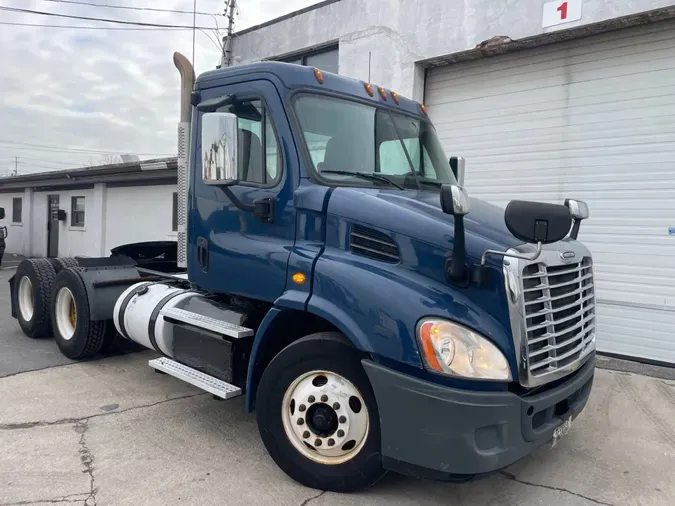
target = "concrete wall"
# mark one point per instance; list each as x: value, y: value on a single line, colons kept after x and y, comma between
x: 399, y: 33
x: 113, y: 216
x: 16, y: 232
x: 147, y: 215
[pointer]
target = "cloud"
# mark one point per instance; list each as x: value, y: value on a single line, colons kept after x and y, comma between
x: 102, y: 90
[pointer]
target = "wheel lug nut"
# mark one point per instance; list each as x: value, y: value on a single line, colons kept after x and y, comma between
x: 311, y: 399
x: 331, y: 442
x: 324, y: 398
x: 317, y: 442
x: 302, y: 407
x: 336, y: 406
x: 300, y: 421
x: 343, y: 419
x: 340, y: 433
x: 305, y: 434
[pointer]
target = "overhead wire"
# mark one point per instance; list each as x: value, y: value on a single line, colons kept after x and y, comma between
x: 104, y: 20
x: 128, y: 7
x: 70, y: 27
x: 5, y: 144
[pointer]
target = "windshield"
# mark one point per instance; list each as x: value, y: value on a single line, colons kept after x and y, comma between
x: 349, y: 141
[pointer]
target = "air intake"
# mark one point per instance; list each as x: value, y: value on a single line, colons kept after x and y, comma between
x: 372, y: 244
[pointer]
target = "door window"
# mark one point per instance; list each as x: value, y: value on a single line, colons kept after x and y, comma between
x: 258, y: 149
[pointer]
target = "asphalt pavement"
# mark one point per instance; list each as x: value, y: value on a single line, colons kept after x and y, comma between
x: 112, y: 432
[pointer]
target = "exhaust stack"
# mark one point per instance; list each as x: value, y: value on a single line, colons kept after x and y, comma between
x: 187, y: 81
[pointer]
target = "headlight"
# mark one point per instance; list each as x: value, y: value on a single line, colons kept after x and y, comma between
x: 449, y: 348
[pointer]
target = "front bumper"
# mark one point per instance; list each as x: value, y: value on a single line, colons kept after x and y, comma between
x: 433, y: 431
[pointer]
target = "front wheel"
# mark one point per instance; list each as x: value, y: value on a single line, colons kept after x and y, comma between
x: 317, y: 415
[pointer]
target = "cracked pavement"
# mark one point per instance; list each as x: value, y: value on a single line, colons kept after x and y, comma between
x: 112, y: 432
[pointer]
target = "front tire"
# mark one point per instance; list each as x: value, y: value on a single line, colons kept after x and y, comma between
x: 317, y: 415
x: 76, y: 336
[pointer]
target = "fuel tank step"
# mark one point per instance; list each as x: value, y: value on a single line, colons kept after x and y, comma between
x: 206, y: 322
x: 203, y: 381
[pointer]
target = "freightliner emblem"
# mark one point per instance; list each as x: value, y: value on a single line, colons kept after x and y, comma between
x: 567, y: 255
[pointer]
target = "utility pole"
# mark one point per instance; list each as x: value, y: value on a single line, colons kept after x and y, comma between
x: 226, y: 60
x: 16, y: 165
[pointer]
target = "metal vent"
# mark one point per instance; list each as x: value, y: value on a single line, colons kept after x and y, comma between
x: 183, y: 154
x: 373, y: 244
x: 559, y: 303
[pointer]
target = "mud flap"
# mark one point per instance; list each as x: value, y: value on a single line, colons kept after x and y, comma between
x: 11, y: 295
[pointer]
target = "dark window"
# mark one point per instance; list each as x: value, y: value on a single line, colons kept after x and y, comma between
x: 17, y: 208
x: 258, y: 150
x: 325, y: 59
x: 77, y: 212
x: 174, y: 213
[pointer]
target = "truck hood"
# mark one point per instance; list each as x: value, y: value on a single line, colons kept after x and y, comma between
x: 417, y: 214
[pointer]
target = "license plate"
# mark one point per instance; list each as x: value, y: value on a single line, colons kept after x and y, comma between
x: 560, y: 431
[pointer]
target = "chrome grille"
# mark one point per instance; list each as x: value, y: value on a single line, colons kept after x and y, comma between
x: 559, y: 312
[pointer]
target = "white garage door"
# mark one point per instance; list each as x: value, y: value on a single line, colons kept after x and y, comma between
x: 592, y: 119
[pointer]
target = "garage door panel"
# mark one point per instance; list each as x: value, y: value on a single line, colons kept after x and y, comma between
x: 514, y: 63
x: 592, y: 119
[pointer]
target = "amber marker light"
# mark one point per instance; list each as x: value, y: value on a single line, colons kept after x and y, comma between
x: 424, y: 108
x: 382, y: 92
x: 394, y: 95
x: 427, y: 331
x: 318, y: 75
x: 369, y: 89
x: 299, y: 278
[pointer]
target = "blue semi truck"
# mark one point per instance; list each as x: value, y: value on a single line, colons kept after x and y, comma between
x: 331, y: 267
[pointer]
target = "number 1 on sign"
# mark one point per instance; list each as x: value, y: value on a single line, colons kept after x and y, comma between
x: 562, y: 9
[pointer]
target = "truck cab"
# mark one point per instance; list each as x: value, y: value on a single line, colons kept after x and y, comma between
x: 340, y: 277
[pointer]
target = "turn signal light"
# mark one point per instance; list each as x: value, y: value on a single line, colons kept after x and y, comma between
x: 299, y: 278
x: 318, y: 75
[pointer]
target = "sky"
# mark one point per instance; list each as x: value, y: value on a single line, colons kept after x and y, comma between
x: 73, y: 97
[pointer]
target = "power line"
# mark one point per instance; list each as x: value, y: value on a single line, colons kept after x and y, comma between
x: 97, y: 27
x: 105, y: 20
x: 26, y: 145
x: 107, y: 6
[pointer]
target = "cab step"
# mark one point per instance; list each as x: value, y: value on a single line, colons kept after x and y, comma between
x: 206, y: 322
x: 215, y: 386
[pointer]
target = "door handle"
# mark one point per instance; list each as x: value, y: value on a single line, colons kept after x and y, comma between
x: 263, y: 209
x: 203, y: 253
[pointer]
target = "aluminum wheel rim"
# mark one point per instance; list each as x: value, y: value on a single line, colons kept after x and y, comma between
x: 304, y: 403
x: 26, y: 299
x: 66, y: 313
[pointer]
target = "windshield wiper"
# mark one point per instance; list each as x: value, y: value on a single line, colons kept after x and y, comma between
x: 364, y: 175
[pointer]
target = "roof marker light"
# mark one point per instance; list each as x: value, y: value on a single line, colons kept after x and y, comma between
x: 424, y: 108
x: 318, y: 75
x: 394, y: 95
x: 382, y: 92
x: 369, y: 89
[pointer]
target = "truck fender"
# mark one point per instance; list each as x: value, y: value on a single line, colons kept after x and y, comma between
x: 317, y: 306
x: 104, y: 285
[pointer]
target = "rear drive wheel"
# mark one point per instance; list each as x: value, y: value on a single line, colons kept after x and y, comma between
x: 317, y: 415
x: 32, y: 288
x: 75, y: 335
x: 60, y: 263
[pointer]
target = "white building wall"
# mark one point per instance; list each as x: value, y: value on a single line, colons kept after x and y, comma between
x: 138, y: 213
x: 398, y: 33
x: 113, y: 216
x: 16, y: 232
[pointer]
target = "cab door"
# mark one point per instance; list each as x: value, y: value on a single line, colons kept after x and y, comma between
x: 241, y: 235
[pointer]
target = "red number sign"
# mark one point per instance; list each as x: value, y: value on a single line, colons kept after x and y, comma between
x: 562, y: 10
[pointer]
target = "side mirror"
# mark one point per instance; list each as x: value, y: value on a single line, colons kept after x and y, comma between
x: 458, y: 166
x: 2, y: 213
x: 455, y: 201
x: 579, y: 211
x: 219, y: 148
x: 537, y: 222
